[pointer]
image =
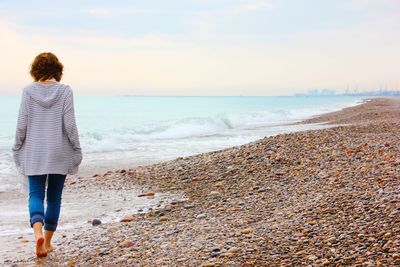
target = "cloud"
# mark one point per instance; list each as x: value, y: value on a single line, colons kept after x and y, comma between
x: 373, y: 3
x: 113, y: 11
x: 252, y: 5
x: 207, y: 60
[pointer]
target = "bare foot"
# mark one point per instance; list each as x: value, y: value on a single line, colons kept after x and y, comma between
x: 49, y: 247
x: 47, y: 237
x: 40, y: 248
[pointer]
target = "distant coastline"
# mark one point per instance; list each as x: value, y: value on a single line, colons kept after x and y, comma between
x: 328, y: 92
x: 312, y: 92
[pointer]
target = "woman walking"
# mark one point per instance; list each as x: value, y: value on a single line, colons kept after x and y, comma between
x: 46, y: 145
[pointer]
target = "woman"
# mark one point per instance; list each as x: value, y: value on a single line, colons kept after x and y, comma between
x: 46, y: 145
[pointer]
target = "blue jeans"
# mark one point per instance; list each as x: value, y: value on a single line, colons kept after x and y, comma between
x: 37, y: 186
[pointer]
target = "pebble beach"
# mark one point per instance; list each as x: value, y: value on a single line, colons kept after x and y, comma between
x: 327, y: 197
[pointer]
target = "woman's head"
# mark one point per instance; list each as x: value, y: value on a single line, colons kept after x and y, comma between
x: 46, y: 66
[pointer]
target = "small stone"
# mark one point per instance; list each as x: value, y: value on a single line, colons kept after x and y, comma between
x: 71, y: 262
x: 127, y: 218
x: 246, y: 231
x: 388, y: 234
x: 324, y: 262
x: 215, y: 254
x: 163, y: 218
x: 300, y: 234
x: 312, y: 222
x: 312, y: 257
x: 188, y: 206
x: 215, y: 193
x: 96, y: 222
x: 126, y: 244
x: 218, y: 184
x: 233, y: 250
x: 24, y: 241
x: 112, y: 229
x: 148, y: 194
x: 201, y: 216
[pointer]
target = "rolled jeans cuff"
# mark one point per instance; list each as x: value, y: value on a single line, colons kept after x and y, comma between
x: 50, y: 227
x: 36, y: 218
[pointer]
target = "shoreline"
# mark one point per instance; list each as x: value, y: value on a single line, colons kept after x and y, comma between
x: 102, y: 161
x: 319, y: 197
x: 107, y: 166
x: 371, y: 110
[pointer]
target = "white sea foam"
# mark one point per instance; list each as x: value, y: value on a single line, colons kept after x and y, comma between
x: 224, y: 124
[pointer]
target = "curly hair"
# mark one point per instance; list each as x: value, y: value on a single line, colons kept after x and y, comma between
x: 46, y: 66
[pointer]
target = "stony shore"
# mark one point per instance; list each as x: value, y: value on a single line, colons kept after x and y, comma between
x: 327, y: 197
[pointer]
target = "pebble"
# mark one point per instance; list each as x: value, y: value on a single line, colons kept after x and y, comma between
x: 233, y: 250
x: 96, y: 222
x: 163, y: 218
x: 246, y: 231
x: 312, y: 257
x: 201, y: 216
x: 126, y: 244
x: 215, y: 193
x: 218, y: 184
x: 148, y: 194
x: 127, y: 218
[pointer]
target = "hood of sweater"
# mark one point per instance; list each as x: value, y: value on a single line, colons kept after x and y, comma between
x: 46, y: 95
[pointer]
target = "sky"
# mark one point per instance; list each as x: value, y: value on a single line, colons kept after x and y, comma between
x: 204, y: 47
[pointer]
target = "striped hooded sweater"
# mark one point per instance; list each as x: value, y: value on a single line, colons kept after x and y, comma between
x: 46, y: 138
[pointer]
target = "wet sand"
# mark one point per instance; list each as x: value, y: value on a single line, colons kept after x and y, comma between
x: 80, y: 206
x: 326, y: 197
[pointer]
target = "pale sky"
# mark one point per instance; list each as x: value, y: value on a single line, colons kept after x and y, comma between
x: 204, y: 47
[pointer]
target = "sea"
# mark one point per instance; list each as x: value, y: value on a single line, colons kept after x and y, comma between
x: 126, y: 131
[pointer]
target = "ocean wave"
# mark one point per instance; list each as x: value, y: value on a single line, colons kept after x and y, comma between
x: 224, y: 124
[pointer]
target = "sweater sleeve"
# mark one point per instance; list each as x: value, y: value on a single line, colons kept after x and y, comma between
x: 69, y: 122
x: 22, y: 123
